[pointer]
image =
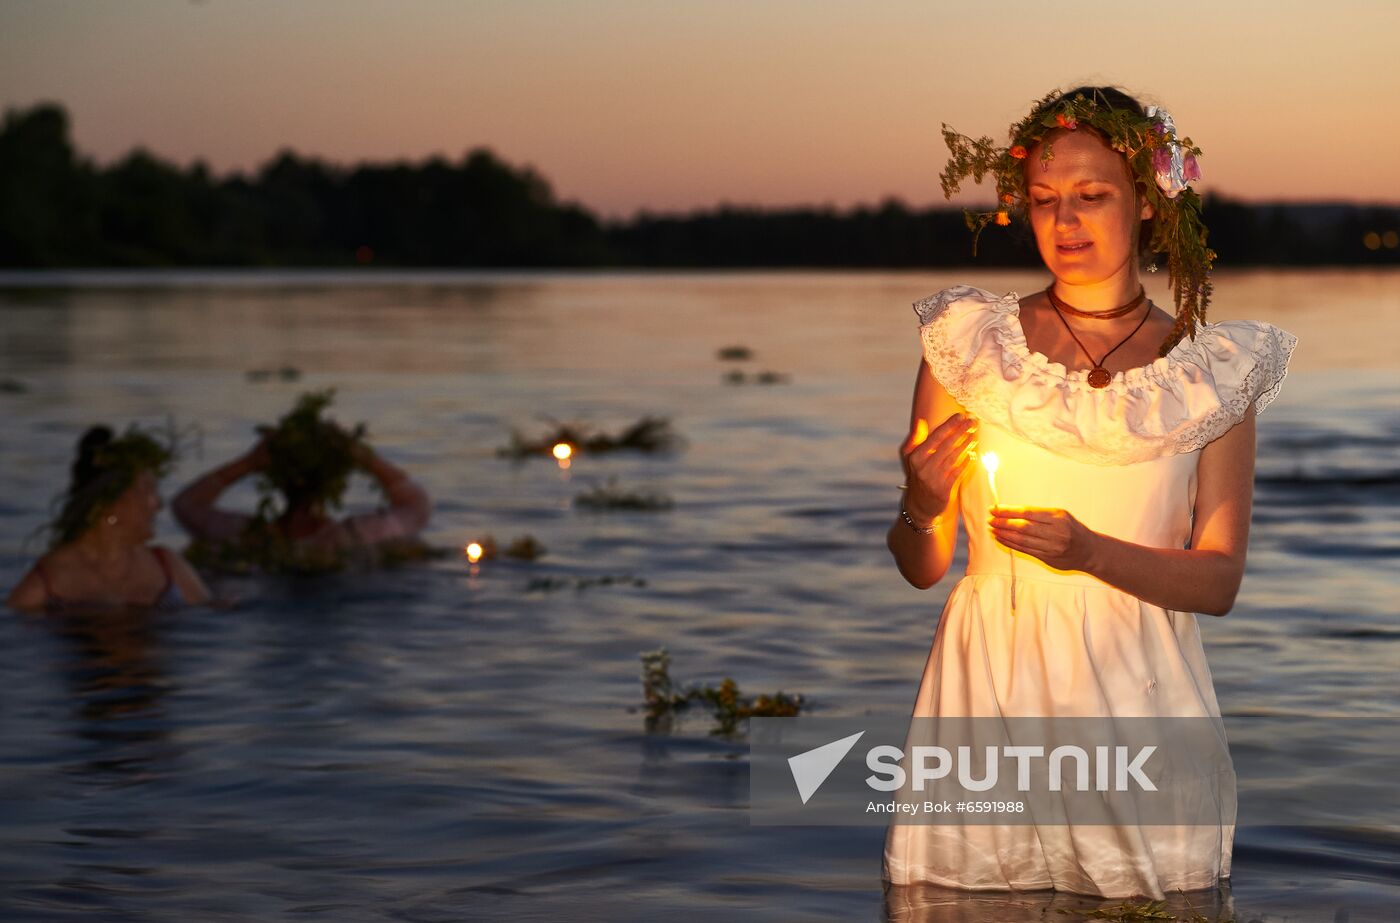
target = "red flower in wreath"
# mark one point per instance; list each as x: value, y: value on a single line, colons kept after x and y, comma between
x: 1003, y: 218
x: 1018, y: 151
x: 1069, y: 123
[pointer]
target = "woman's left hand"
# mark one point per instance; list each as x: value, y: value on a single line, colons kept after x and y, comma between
x: 1052, y: 535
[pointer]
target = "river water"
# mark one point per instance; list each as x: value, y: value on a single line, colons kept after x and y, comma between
x: 458, y: 742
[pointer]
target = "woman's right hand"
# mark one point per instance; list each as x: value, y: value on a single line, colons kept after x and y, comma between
x: 932, y: 467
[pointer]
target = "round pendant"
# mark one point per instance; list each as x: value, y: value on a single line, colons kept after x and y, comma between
x: 1099, y: 377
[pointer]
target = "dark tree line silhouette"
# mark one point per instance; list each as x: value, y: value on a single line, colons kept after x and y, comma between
x: 58, y: 209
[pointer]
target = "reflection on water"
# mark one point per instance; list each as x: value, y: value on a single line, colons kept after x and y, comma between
x: 440, y: 743
x: 931, y: 904
x: 116, y: 685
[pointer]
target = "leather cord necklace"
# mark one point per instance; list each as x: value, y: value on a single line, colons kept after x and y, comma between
x: 1101, y: 315
x: 1099, y: 377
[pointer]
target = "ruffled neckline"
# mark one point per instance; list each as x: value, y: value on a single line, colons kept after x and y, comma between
x: 1013, y: 336
x: 975, y: 346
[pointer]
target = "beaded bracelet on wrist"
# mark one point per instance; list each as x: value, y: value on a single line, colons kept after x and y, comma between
x: 904, y: 514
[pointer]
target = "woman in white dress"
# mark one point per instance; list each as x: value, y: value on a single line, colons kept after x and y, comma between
x: 1125, y: 436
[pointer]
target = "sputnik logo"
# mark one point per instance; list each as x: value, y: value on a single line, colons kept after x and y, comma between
x: 811, y: 769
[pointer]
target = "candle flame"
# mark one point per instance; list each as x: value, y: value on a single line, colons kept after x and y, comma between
x: 991, y: 462
x: 563, y: 450
x: 474, y: 552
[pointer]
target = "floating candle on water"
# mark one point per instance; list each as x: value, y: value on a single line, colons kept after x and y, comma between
x: 563, y: 453
x: 474, y: 552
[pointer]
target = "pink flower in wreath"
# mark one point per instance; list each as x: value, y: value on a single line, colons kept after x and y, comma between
x: 1192, y: 169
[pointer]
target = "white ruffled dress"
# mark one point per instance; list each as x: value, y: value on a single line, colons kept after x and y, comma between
x: 1122, y: 460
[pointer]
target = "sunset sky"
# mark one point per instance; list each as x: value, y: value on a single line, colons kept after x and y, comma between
x: 673, y: 106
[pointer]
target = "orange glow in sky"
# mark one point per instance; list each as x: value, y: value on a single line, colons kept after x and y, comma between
x: 666, y: 106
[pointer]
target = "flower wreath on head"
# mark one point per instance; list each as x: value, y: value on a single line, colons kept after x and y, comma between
x: 1161, y: 162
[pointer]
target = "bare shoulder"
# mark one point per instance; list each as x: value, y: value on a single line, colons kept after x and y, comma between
x: 59, y: 559
x: 32, y: 591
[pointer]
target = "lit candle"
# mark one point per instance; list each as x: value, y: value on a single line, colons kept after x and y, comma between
x: 474, y: 552
x: 991, y: 462
x: 562, y: 452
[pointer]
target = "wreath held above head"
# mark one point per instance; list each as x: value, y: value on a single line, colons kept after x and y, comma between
x: 310, y: 457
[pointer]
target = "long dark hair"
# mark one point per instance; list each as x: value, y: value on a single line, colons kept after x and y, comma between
x: 105, y: 467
